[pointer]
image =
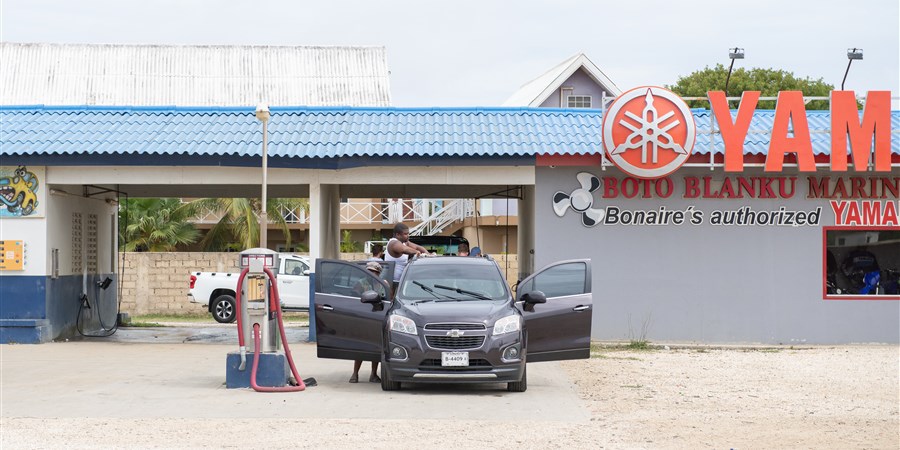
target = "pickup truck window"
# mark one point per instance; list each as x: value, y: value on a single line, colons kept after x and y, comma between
x: 294, y: 267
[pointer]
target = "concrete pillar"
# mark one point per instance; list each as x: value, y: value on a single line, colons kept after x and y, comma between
x: 525, y: 241
x: 324, y: 221
x: 331, y: 221
x: 324, y: 236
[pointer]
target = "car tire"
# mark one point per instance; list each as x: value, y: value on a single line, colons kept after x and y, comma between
x: 519, y: 386
x: 222, y: 309
x: 386, y: 383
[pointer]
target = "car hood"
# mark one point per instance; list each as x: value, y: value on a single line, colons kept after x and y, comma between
x: 486, y: 312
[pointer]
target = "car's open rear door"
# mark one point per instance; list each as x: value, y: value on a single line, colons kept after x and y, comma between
x: 347, y: 328
x: 561, y: 328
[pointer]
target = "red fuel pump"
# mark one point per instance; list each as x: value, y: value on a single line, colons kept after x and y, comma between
x: 273, y: 303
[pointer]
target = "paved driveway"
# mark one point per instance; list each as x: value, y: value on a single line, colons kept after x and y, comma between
x: 197, y: 333
x: 121, y: 377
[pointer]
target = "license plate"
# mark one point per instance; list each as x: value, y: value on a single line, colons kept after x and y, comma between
x: 454, y: 358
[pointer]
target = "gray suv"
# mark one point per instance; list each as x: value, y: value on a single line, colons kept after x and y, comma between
x: 453, y: 319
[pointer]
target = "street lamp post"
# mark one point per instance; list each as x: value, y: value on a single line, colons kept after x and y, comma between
x: 262, y: 114
x: 852, y: 53
x: 733, y: 54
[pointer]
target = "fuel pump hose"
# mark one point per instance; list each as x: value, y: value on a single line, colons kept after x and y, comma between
x: 239, y: 312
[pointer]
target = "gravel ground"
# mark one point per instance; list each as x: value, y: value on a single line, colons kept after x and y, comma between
x: 822, y: 397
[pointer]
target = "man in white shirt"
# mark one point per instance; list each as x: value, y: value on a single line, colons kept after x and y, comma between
x: 399, y: 250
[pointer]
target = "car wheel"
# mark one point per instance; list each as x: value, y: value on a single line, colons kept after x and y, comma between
x: 386, y: 383
x: 222, y: 309
x: 519, y: 386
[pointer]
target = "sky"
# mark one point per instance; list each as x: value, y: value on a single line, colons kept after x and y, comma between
x: 478, y: 53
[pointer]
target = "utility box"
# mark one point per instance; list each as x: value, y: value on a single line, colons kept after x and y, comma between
x: 273, y: 370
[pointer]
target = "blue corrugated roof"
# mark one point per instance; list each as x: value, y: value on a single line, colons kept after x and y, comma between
x: 328, y: 132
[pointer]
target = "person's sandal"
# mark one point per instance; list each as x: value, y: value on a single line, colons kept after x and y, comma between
x: 374, y: 379
x: 354, y: 379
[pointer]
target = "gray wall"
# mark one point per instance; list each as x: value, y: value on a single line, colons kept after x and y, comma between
x: 723, y: 284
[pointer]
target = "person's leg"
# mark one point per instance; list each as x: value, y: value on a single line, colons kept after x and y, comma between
x: 374, y: 378
x: 355, y: 377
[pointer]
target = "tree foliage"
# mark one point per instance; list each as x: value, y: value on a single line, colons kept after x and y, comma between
x: 348, y: 245
x: 238, y: 225
x: 155, y: 225
x: 768, y: 81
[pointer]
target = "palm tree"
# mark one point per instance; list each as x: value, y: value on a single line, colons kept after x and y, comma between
x: 155, y: 225
x: 239, y: 221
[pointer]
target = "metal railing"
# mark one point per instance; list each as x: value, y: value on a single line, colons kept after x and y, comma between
x: 431, y: 215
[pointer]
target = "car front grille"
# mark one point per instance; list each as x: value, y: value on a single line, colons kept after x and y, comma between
x: 454, y: 343
x: 474, y: 364
x: 454, y: 326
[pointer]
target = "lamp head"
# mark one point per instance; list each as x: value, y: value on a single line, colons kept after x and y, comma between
x: 103, y: 284
x: 736, y: 53
x: 854, y: 53
x: 262, y: 112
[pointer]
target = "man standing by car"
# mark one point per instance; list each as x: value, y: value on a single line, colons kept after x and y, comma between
x: 399, y: 249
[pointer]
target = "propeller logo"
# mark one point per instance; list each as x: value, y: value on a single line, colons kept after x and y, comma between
x: 649, y: 132
x: 580, y: 200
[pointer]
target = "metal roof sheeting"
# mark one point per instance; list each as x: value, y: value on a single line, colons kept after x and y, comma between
x: 344, y: 132
x: 219, y: 75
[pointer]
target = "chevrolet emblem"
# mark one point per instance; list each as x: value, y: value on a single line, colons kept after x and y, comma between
x: 455, y: 333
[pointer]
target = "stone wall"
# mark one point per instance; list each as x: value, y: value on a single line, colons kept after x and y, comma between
x: 158, y: 283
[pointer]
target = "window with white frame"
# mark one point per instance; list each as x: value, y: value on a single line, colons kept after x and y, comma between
x: 579, y: 101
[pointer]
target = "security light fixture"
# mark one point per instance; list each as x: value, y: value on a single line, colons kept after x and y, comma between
x: 103, y: 284
x: 733, y: 54
x: 262, y: 114
x: 852, y: 53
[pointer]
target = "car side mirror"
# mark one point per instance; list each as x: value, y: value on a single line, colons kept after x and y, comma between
x: 532, y: 298
x: 306, y: 272
x: 370, y: 297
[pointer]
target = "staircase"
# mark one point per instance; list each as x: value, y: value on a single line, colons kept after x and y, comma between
x: 443, y: 215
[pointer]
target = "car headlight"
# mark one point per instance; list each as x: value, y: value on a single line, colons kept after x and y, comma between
x: 507, y: 324
x: 402, y: 324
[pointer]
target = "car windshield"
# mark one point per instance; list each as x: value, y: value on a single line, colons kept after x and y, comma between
x: 438, y: 282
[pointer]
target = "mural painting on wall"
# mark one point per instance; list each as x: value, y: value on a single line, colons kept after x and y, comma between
x: 19, y: 187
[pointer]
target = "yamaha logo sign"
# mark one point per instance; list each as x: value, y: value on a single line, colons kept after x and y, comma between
x: 649, y: 132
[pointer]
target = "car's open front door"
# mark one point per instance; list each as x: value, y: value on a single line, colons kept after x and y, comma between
x: 560, y: 328
x: 347, y: 328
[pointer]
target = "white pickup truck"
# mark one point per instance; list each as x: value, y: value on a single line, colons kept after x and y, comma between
x: 216, y: 290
